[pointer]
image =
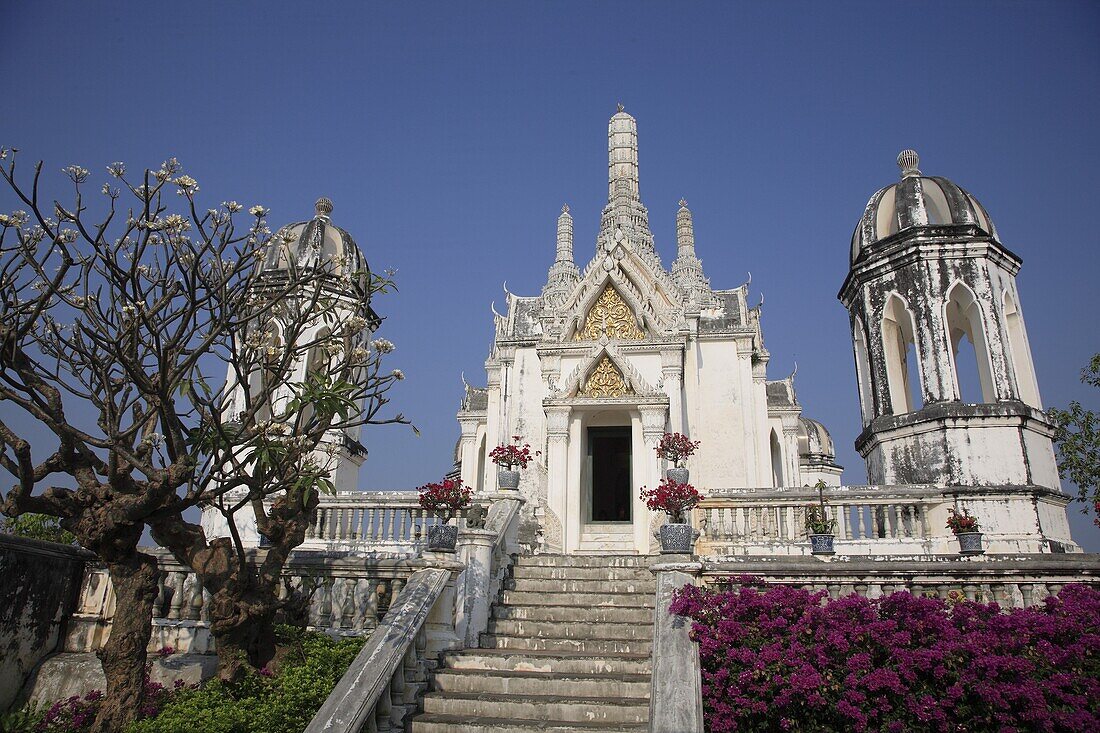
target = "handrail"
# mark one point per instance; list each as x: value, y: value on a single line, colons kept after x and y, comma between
x: 506, y: 524
x: 364, y: 698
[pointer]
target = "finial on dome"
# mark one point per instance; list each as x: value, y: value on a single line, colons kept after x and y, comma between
x: 683, y: 204
x: 565, y: 208
x: 908, y: 160
x: 620, y: 106
x: 323, y: 206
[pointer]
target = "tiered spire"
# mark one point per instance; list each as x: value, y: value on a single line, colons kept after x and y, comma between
x: 624, y: 211
x: 687, y: 269
x: 565, y: 236
x: 622, y: 156
x: 563, y: 275
x: 685, y: 232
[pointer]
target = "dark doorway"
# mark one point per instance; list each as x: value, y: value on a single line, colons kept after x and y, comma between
x: 609, y: 459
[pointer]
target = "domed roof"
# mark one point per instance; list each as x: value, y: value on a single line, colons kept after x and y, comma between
x: 814, y: 439
x: 315, y: 241
x: 916, y: 201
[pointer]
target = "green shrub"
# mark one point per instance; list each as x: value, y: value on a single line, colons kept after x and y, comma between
x: 262, y: 702
x: 25, y: 720
x: 37, y: 527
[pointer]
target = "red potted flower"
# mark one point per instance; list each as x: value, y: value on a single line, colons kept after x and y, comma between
x: 446, y: 498
x: 674, y: 448
x: 965, y: 527
x: 508, y: 457
x: 674, y: 498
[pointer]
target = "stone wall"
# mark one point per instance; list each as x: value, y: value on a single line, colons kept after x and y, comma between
x: 41, y: 583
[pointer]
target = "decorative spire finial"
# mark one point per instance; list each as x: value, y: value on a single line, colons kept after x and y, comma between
x: 908, y: 160
x: 323, y: 206
x: 565, y: 208
x: 683, y: 204
x: 620, y: 106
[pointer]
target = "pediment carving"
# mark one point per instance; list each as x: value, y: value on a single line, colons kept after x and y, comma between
x: 610, y: 318
x: 580, y: 380
x: 605, y: 381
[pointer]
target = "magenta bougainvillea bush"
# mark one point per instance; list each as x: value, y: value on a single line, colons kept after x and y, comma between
x: 779, y: 658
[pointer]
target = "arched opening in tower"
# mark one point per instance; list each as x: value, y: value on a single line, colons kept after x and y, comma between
x: 969, y: 352
x: 777, y: 462
x: 1020, y: 354
x: 902, y: 360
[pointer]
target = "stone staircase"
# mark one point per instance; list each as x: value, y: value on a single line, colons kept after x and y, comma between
x: 567, y: 649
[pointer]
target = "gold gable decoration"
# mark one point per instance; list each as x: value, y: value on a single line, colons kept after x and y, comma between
x: 605, y: 381
x: 610, y: 316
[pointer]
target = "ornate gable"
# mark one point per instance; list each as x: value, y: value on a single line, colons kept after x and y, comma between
x: 610, y: 317
x: 605, y: 371
x: 605, y: 381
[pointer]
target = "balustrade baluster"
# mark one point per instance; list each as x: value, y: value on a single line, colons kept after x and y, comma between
x: 339, y: 603
x: 192, y: 597
x: 371, y: 519
x: 177, y: 596
x: 382, y: 712
x: 889, y: 522
x: 861, y: 528
x: 322, y: 605
x: 387, y: 522
x: 361, y: 593
x: 395, y: 589
x: 162, y: 596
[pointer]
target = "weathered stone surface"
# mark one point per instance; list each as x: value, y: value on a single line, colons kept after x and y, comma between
x: 77, y: 673
x: 41, y: 582
x: 568, y: 585
x: 676, y: 698
x: 574, y: 664
x: 355, y: 695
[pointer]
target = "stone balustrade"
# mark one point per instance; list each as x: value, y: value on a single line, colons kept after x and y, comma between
x: 384, y: 521
x: 349, y: 593
x: 895, y: 520
x: 1013, y: 581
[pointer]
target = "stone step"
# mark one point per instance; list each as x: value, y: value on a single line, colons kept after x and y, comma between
x: 586, y: 561
x: 575, y: 614
x: 532, y: 660
x: 586, y: 646
x: 569, y: 585
x: 582, y: 573
x: 587, y: 600
x: 437, y: 723
x: 630, y: 710
x: 540, y: 683
x: 566, y: 630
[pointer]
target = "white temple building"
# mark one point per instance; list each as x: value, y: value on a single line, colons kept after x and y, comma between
x: 611, y: 355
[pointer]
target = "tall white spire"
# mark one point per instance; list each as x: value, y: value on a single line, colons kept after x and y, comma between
x: 565, y: 236
x: 687, y: 269
x: 564, y: 274
x: 622, y: 155
x: 685, y: 232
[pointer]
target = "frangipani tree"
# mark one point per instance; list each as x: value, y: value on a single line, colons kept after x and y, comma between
x: 116, y: 328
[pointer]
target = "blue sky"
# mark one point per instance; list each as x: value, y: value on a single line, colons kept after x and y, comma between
x: 449, y: 135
